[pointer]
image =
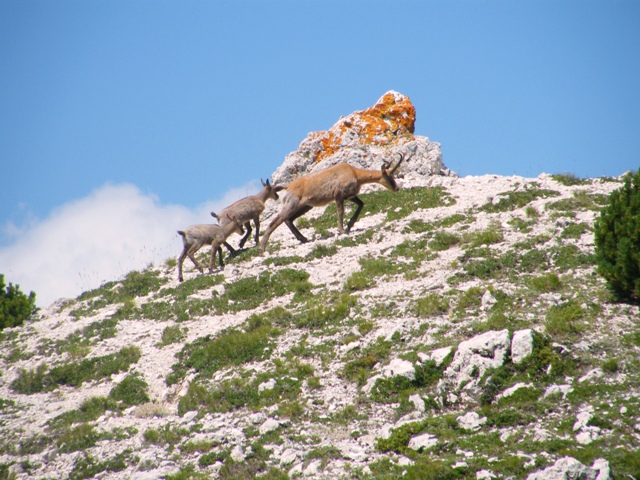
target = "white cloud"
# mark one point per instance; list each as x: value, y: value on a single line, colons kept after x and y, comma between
x: 100, y: 238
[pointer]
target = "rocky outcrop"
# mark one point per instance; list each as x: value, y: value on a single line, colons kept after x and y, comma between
x: 365, y: 139
x: 569, y: 467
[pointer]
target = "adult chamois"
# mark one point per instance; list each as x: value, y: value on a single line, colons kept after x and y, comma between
x: 337, y: 183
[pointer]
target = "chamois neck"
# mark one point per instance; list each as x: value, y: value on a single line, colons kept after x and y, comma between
x: 262, y: 195
x: 368, y: 176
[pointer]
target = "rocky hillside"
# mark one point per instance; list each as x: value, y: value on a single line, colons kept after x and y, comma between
x: 459, y: 331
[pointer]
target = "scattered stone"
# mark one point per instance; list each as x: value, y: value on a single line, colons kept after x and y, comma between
x: 471, y: 421
x: 424, y: 441
x: 591, y: 375
x: 237, y: 454
x: 313, y: 468
x: 269, y: 426
x: 569, y: 467
x: 400, y: 368
x: 352, y: 451
x: 487, y: 301
x: 440, y: 355
x: 288, y: 457
x: 268, y: 385
x: 511, y: 390
x: 471, y: 360
x: 553, y: 389
x: 588, y: 435
x: 417, y: 401
x: 582, y: 418
x: 521, y: 345
x: 485, y: 475
x: 257, y: 418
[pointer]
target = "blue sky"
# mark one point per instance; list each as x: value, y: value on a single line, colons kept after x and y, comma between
x: 174, y: 107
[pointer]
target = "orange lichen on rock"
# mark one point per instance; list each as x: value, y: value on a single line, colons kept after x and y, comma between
x: 392, y: 116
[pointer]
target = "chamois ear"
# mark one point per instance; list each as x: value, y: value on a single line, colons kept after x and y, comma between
x: 279, y: 188
x: 264, y: 184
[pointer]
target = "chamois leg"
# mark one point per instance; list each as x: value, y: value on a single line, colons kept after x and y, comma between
x: 191, y: 252
x: 292, y: 227
x: 244, y: 239
x: 215, y: 248
x: 188, y: 250
x: 353, y: 219
x: 340, y: 209
x: 256, y: 222
x: 232, y: 250
x: 265, y: 236
x: 275, y: 223
x: 183, y: 255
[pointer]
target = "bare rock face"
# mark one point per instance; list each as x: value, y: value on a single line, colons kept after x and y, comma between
x: 365, y: 139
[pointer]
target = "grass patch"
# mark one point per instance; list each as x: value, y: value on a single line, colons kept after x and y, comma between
x: 233, y: 347
x: 134, y: 284
x: 430, y: 305
x: 43, y: 379
x: 509, y: 201
x: 549, y: 282
x: 322, y: 311
x: 565, y: 319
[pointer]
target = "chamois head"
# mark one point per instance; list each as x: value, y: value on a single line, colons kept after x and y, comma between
x: 272, y: 192
x: 387, y: 174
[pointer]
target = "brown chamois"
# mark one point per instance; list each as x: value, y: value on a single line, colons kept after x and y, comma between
x: 247, y: 209
x: 334, y: 184
x: 196, y: 236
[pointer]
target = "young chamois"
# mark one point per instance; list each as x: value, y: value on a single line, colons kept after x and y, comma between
x: 196, y: 236
x: 247, y: 209
x: 334, y: 184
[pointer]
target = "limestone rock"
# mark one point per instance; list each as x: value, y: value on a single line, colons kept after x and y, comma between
x: 440, y: 355
x: 569, y: 467
x: 419, y: 442
x: 474, y: 356
x: 365, y: 139
x: 269, y: 425
x: 268, y: 385
x: 288, y: 457
x: 401, y: 368
x: 488, y: 300
x: 471, y: 421
x: 521, y: 345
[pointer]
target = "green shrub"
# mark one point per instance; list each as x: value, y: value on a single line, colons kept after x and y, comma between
x: 549, y: 282
x: 617, y: 240
x: 443, y: 240
x: 172, y: 334
x: 88, y: 467
x: 432, y: 304
x: 130, y: 391
x: 15, y: 306
x: 206, y: 355
x: 508, y: 201
x: 568, y: 179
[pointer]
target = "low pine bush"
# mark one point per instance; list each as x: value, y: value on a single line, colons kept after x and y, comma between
x: 15, y: 306
x: 617, y: 240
